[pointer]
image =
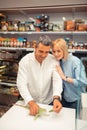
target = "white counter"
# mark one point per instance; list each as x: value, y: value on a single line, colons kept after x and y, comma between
x: 18, y: 118
x: 81, y: 124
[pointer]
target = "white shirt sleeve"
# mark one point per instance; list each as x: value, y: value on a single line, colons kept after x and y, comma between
x: 22, y: 82
x: 57, y: 84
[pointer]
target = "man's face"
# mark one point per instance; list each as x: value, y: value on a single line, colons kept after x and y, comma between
x: 41, y: 52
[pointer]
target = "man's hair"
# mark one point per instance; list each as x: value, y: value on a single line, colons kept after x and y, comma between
x: 45, y: 40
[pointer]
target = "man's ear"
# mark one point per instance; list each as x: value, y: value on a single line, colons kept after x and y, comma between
x: 34, y: 43
x: 35, y: 46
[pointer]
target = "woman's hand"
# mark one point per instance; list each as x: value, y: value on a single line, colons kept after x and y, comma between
x: 69, y: 80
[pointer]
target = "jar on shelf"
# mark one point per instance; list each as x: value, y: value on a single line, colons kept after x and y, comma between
x: 4, y: 26
x: 69, y: 25
x: 38, y: 19
x: 79, y: 24
x: 15, y: 25
x: 29, y: 26
x: 38, y: 27
x: 2, y: 19
x: 50, y: 26
x: 24, y: 42
x: 81, y: 27
x: 21, y: 27
x: 10, y: 26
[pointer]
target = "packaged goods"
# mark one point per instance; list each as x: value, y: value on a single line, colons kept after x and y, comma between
x: 69, y: 25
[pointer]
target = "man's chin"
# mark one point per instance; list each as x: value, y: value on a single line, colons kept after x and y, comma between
x: 41, y: 59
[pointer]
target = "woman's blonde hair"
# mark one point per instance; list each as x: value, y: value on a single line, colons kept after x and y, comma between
x: 61, y: 43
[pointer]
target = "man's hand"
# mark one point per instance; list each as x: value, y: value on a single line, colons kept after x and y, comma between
x: 33, y: 107
x: 57, y: 106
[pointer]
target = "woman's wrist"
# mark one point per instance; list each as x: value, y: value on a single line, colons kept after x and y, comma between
x: 69, y: 80
x: 65, y: 78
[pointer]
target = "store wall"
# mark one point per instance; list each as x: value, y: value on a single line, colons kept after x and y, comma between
x: 33, y: 3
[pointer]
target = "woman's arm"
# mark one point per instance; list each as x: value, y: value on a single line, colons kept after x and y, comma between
x: 63, y: 76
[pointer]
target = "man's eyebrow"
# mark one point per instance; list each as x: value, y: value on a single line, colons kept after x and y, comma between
x: 44, y: 51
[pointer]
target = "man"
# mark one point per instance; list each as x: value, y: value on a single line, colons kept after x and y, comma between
x: 37, y: 79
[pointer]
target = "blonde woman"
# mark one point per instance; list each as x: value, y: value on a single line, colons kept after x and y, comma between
x: 72, y: 72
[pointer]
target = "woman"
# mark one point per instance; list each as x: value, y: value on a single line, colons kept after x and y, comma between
x: 72, y: 72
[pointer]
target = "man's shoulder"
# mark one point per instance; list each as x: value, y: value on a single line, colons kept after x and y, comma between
x: 26, y: 57
x: 51, y: 58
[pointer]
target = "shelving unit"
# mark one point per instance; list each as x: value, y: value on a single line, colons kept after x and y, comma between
x: 8, y: 90
x: 56, y: 14
x: 52, y: 34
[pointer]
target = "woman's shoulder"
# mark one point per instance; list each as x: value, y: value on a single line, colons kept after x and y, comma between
x: 75, y: 61
x: 73, y: 58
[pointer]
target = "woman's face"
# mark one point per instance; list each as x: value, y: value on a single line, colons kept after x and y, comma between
x: 57, y: 52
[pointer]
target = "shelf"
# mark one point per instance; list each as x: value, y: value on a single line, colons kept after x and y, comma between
x: 16, y: 49
x: 9, y: 60
x: 8, y: 84
x: 32, y: 49
x: 16, y: 32
x: 77, y: 51
x: 48, y: 32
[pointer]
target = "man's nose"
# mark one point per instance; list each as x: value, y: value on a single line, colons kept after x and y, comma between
x: 44, y: 55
